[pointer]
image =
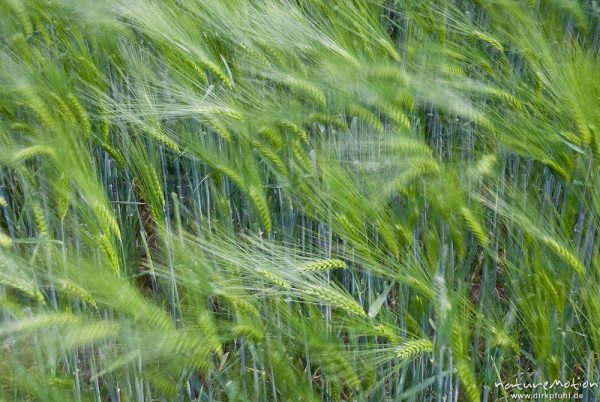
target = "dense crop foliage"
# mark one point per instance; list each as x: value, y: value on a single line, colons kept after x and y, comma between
x: 309, y: 200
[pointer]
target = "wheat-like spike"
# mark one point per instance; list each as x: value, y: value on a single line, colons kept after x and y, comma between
x: 411, y: 145
x: 504, y: 95
x: 349, y: 227
x: 420, y: 167
x: 271, y: 135
x: 247, y: 331
x: 309, y: 89
x: 473, y: 224
x: 277, y: 55
x: 104, y: 126
x: 323, y: 265
x: 179, y: 342
x: 5, y: 240
x: 389, y: 48
x: 40, y: 321
x: 231, y: 174
x: 334, y: 121
x: 467, y: 378
x: 255, y: 55
x: 334, y: 391
x: 367, y: 116
x: 106, y: 218
x: 22, y: 49
x: 490, y: 40
x: 486, y: 164
x: 22, y: 14
x: 113, y: 153
x: 77, y: 291
x: 556, y: 167
x: 31, y: 152
x: 62, y: 106
x: 81, y: 113
x: 389, y: 236
x: 155, y: 188
x: 340, y: 367
x: 131, y: 302
x: 218, y: 128
x: 197, y: 69
x: 594, y: 143
x: 453, y: 70
x: 388, y: 332
x: 388, y: 72
x: 565, y: 254
x: 410, y: 349
x: 274, y: 278
x: 164, y: 139
x: 107, y: 246
x: 501, y: 339
x: 88, y: 69
x: 87, y: 334
x: 40, y: 219
x: 62, y: 196
x: 395, y: 113
x: 214, y: 69
x: 298, y: 131
x: 301, y: 157
x: 258, y: 198
x: 406, y: 98
x: 271, y: 156
x: 163, y: 384
x: 21, y: 285
x: 336, y: 299
x: 22, y: 127
x: 206, y: 323
x: 240, y: 304
x: 14, y: 308
x: 580, y: 121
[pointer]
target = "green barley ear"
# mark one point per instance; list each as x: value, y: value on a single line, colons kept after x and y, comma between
x: 272, y: 136
x: 273, y: 278
x: 367, y: 116
x: 336, y: 299
x: 387, y: 331
x: 27, y: 288
x: 116, y: 155
x: 410, y: 349
x: 301, y: 156
x: 239, y: 304
x: 260, y: 202
x: 474, y: 225
x: 110, y: 252
x: 40, y: 219
x: 324, y: 265
x: 467, y: 378
x: 33, y: 151
x: 5, y: 240
x: 62, y: 195
x: 160, y: 136
x: 570, y: 258
x: 334, y: 121
x: 298, y: 131
x: 218, y: 128
x: 334, y: 390
x: 106, y: 217
x: 82, y: 115
x: 75, y: 290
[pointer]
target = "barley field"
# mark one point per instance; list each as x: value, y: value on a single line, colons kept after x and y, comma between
x: 299, y: 200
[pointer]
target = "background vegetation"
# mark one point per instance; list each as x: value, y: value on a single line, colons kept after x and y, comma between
x: 309, y: 200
